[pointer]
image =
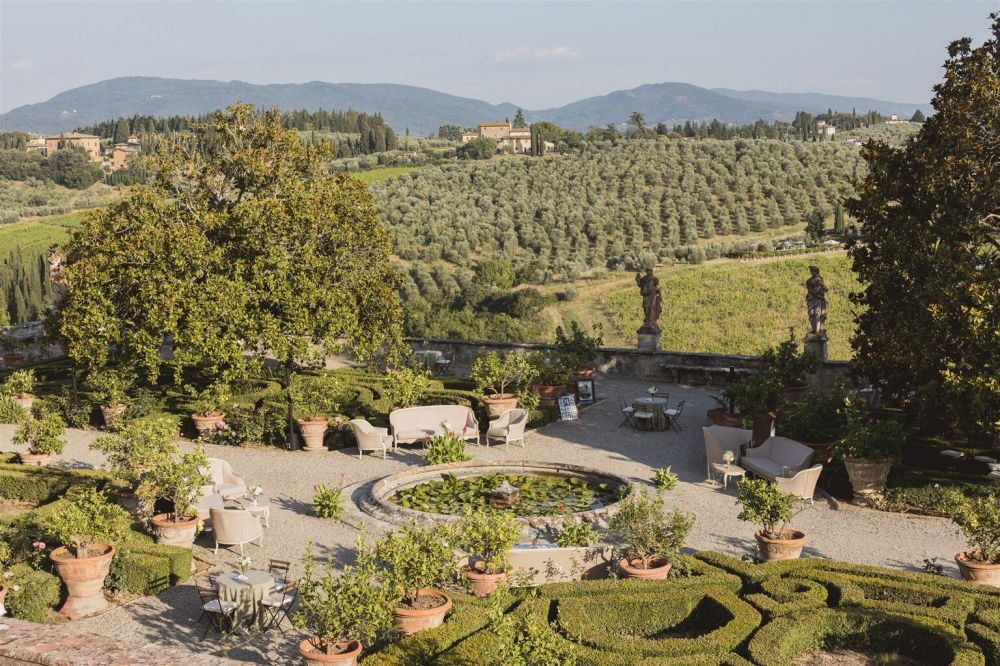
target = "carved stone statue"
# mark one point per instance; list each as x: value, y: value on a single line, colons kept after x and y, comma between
x: 55, y: 261
x: 649, y: 287
x: 816, y: 304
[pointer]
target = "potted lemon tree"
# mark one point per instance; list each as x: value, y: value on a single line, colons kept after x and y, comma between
x: 110, y: 389
x: 763, y: 504
x: 133, y: 452
x: 647, y: 537
x: 87, y: 526
x: 759, y: 395
x: 207, y: 405
x: 498, y: 378
x: 43, y: 435
x: 18, y: 388
x: 579, y: 348
x: 486, y: 536
x: 314, y: 400
x: 979, y: 519
x: 552, y: 373
x: 177, y: 480
x: 868, y: 450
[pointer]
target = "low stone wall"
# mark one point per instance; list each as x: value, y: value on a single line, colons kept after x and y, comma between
x: 689, y: 368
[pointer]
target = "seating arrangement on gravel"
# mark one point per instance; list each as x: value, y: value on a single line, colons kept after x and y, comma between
x: 776, y: 457
x: 416, y: 424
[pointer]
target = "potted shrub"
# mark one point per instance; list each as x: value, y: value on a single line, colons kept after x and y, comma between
x: 868, y: 449
x: 88, y: 527
x: 43, y: 435
x: 759, y: 395
x: 494, y: 375
x: 763, y: 504
x: 18, y: 388
x: 405, y: 387
x: 487, y: 536
x: 818, y: 420
x: 134, y: 452
x: 343, y: 611
x: 416, y: 560
x: 314, y: 400
x: 552, y: 373
x: 109, y: 389
x: 578, y: 348
x: 791, y: 365
x: 207, y: 406
x: 647, y: 537
x: 979, y: 519
x: 178, y: 480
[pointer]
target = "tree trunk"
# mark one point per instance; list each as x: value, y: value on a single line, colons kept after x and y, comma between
x: 293, y: 440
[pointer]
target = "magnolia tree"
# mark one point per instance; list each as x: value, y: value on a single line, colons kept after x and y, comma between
x: 244, y: 247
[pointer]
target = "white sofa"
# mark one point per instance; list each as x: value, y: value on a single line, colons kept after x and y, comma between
x: 413, y: 424
x: 770, y: 459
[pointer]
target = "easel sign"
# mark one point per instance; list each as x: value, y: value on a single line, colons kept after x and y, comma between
x: 567, y: 408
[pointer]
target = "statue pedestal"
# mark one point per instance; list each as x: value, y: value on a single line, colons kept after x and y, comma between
x: 649, y: 341
x: 815, y: 345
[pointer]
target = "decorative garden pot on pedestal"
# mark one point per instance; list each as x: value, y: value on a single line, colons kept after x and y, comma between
x: 788, y: 548
x: 35, y: 459
x: 498, y: 404
x: 482, y: 583
x: 23, y: 400
x: 411, y: 620
x: 548, y: 394
x: 84, y: 579
x: 180, y: 533
x: 313, y: 431
x: 866, y: 477
x: 207, y: 421
x: 313, y: 656
x: 659, y: 569
x: 982, y: 573
x: 112, y: 413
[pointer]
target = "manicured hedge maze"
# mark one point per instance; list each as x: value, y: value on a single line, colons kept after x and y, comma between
x: 727, y: 612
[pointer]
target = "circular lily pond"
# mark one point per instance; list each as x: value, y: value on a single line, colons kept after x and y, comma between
x: 538, y: 495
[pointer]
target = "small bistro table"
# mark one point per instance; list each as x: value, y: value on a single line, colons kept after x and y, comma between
x: 727, y: 471
x: 246, y: 594
x: 262, y: 508
x: 655, y: 406
x: 428, y: 357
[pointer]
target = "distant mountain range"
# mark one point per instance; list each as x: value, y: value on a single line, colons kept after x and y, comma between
x: 420, y: 109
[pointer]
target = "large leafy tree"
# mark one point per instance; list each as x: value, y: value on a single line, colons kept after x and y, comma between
x: 930, y: 251
x: 243, y: 247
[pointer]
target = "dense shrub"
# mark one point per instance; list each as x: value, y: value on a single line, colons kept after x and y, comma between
x: 38, y: 592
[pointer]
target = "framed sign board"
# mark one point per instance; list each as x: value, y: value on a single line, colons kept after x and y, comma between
x: 567, y: 409
x: 585, y: 394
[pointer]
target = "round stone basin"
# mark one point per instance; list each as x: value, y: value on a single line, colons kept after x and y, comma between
x: 592, y: 498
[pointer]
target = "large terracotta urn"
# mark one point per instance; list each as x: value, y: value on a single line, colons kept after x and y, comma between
x: 23, y: 400
x: 482, y: 583
x: 787, y: 548
x: 411, y: 620
x: 113, y: 413
x: 498, y: 404
x: 867, y: 477
x: 35, y: 459
x: 208, y: 421
x: 175, y: 533
x: 972, y: 570
x: 548, y: 394
x: 313, y: 431
x: 659, y: 569
x: 84, y: 579
x: 348, y: 654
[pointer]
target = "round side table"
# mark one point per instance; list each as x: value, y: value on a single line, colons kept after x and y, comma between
x: 261, y: 509
x: 727, y: 471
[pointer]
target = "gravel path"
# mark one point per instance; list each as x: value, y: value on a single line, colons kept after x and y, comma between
x: 840, y: 532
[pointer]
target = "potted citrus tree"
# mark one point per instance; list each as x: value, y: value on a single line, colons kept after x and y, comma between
x: 979, y: 519
x: 647, y: 537
x: 818, y: 420
x: 315, y: 400
x: 18, y: 388
x: 43, y: 435
x: 133, y: 452
x: 416, y: 560
x: 764, y: 505
x: 868, y: 450
x: 88, y: 527
x: 759, y: 395
x: 552, y: 373
x: 578, y: 348
x: 109, y: 389
x: 486, y: 536
x: 791, y: 365
x: 177, y: 480
x: 498, y: 378
x: 207, y: 406
x: 342, y: 612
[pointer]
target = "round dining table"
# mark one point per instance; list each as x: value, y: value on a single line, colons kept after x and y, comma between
x: 655, y: 406
x: 246, y: 594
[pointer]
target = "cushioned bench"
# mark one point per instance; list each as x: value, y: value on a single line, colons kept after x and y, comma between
x: 770, y: 459
x: 413, y: 424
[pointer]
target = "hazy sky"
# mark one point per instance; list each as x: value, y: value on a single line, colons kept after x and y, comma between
x: 536, y: 55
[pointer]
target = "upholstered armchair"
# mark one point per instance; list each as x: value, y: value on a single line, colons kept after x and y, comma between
x: 802, y: 484
x: 370, y: 438
x: 235, y: 527
x: 719, y: 439
x: 227, y: 483
x: 508, y: 427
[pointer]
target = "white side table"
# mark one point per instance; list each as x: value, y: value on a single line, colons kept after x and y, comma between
x: 262, y: 509
x: 727, y: 471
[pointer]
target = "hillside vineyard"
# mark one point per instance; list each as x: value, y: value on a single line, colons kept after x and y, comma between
x: 599, y: 208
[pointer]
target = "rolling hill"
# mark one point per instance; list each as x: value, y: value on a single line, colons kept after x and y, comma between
x: 420, y: 109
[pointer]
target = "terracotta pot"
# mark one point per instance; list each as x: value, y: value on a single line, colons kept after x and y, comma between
x: 721, y: 417
x: 483, y: 584
x: 311, y: 656
x: 763, y: 427
x: 35, y: 459
x: 84, y: 579
x: 411, y: 620
x: 207, y: 421
x: 548, y: 394
x: 23, y: 400
x: 498, y: 404
x: 659, y: 570
x: 781, y: 549
x: 982, y: 573
x: 313, y: 431
x: 112, y: 413
x: 822, y: 451
x: 10, y: 360
x: 583, y: 372
x: 867, y: 477
x: 172, y: 533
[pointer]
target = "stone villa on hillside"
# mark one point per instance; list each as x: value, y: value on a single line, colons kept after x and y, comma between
x: 89, y: 142
x: 509, y: 139
x: 123, y: 152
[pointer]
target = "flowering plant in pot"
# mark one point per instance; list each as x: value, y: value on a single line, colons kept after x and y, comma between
x: 109, y: 388
x: 315, y: 400
x: 647, y: 537
x: 552, y: 373
x: 498, y: 378
x: 979, y: 519
x: 18, y: 386
x: 43, y: 435
x: 416, y: 560
x: 207, y: 405
x: 88, y: 526
x: 759, y: 395
x: 178, y: 480
x: 868, y: 449
x: 134, y: 451
x: 342, y: 611
x: 763, y: 504
x: 486, y: 536
x: 578, y: 348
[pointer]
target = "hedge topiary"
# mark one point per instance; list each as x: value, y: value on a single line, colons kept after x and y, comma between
x: 37, y: 592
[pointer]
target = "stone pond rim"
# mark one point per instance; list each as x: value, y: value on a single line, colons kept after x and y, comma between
x: 377, y: 502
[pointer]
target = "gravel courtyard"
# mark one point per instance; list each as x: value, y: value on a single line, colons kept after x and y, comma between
x: 834, y: 530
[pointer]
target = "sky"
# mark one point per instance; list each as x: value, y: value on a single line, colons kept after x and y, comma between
x: 533, y: 54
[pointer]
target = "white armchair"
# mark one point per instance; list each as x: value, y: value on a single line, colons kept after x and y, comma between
x: 234, y: 527
x: 227, y: 483
x: 802, y: 484
x: 371, y: 438
x: 719, y: 439
x: 508, y: 427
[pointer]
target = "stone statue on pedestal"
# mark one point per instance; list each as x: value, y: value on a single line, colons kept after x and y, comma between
x: 649, y: 332
x: 816, y: 304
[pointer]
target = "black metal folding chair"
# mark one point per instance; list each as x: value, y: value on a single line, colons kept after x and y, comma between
x: 279, y: 571
x: 276, y: 606
x: 628, y: 411
x: 219, y: 612
x: 674, y: 414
